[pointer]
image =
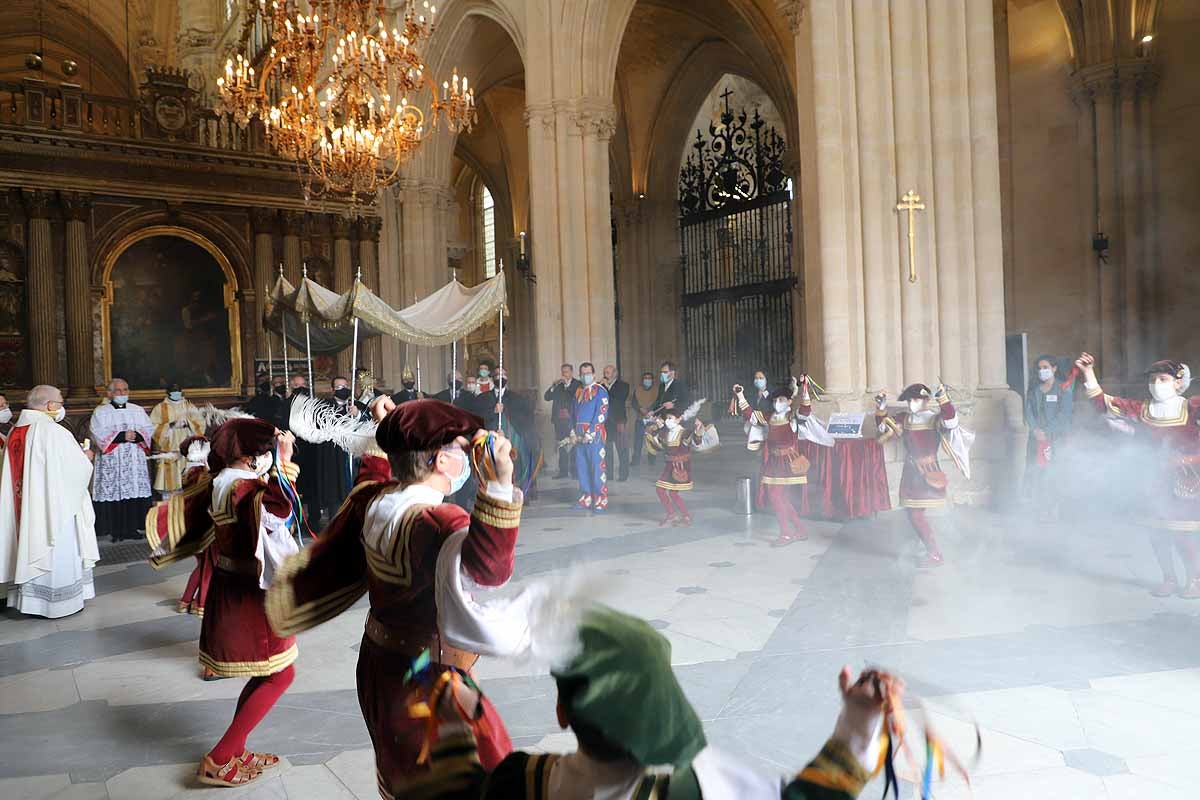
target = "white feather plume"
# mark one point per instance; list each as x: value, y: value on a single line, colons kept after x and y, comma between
x: 198, y: 452
x: 314, y: 421
x: 556, y: 613
x: 693, y: 409
x: 214, y: 416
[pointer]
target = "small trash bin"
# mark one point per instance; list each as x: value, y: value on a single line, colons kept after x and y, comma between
x: 745, y: 498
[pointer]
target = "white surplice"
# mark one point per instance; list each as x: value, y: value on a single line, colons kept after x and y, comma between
x: 47, y: 555
x: 121, y: 470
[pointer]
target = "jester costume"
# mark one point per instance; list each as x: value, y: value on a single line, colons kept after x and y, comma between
x: 409, y: 551
x: 589, y: 412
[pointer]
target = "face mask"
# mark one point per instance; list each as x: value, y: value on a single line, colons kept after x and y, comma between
x: 59, y: 415
x: 342, y: 393
x: 1045, y: 374
x: 665, y: 377
x: 484, y: 372
x: 5, y: 415
x: 177, y: 396
x: 472, y: 388
x: 501, y: 383
x: 262, y: 464
x: 281, y: 390
x: 647, y: 383
x: 760, y: 383
x: 781, y: 406
x: 672, y: 424
x: 409, y: 384
x: 460, y: 480
x: 121, y: 399
x: 915, y: 406
x: 1162, y: 391
x: 263, y: 388
x: 588, y: 380
x: 458, y: 386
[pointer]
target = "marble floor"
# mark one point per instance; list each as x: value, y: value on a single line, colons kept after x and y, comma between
x: 1084, y: 685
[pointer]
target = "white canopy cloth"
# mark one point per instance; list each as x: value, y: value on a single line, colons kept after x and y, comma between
x: 445, y: 316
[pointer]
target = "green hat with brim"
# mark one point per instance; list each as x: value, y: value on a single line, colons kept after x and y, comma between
x: 625, y: 689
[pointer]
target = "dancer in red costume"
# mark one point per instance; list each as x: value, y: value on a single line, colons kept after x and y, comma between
x: 1172, y: 423
x: 924, y: 430
x: 396, y: 538
x: 673, y: 438
x: 195, y: 451
x: 784, y: 468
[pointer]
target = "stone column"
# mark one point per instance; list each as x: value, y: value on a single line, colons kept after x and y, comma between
x: 39, y: 284
x: 77, y: 291
x: 293, y: 259
x: 263, y: 222
x: 547, y: 263
x: 597, y: 123
x: 343, y: 275
x: 368, y: 260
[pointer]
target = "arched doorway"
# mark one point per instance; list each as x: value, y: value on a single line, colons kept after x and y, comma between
x: 170, y: 314
x: 735, y: 225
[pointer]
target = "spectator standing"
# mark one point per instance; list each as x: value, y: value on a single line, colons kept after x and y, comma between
x: 561, y: 396
x: 645, y: 397
x: 1048, y: 409
x: 618, y: 417
x: 121, y: 432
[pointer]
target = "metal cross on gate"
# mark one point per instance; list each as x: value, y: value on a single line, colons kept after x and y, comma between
x: 911, y: 202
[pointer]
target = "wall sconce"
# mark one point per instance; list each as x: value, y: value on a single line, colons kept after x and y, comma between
x: 524, y: 267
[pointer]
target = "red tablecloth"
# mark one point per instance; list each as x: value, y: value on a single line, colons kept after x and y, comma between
x: 846, y: 481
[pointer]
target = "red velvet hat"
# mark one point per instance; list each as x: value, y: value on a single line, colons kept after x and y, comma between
x: 424, y: 425
x: 240, y: 438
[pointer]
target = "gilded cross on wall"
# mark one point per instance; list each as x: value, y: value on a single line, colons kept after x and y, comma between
x: 911, y: 202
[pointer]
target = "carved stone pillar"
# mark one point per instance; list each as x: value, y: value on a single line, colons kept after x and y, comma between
x: 264, y: 222
x: 368, y: 260
x: 343, y: 274
x: 39, y: 284
x: 293, y: 259
x: 80, y: 343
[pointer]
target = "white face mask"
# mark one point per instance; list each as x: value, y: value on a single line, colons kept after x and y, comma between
x: 5, y: 415
x: 262, y: 464
x: 59, y: 415
x: 781, y: 406
x: 1045, y: 374
x: 916, y: 406
x: 1162, y: 391
x: 460, y: 480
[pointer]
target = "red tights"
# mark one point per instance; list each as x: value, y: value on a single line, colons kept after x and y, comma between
x: 667, y: 496
x: 916, y: 518
x: 780, y: 501
x: 257, y: 698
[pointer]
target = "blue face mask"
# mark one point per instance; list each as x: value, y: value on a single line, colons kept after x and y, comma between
x: 588, y: 380
x: 120, y: 399
x: 647, y: 383
x: 460, y: 480
x: 483, y: 372
x: 175, y: 395
x: 760, y: 383
x: 665, y: 377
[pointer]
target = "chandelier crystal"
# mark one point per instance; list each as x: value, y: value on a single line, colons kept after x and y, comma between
x: 340, y: 91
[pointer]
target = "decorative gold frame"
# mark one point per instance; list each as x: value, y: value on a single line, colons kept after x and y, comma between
x: 232, y: 306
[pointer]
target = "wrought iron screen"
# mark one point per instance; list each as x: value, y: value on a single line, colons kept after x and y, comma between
x: 736, y: 239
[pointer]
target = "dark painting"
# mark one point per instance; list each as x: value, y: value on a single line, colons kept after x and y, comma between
x: 168, y: 319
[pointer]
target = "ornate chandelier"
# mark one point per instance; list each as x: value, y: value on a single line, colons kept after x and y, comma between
x: 338, y: 91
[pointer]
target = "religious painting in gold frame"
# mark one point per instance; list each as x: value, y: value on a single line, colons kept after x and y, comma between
x: 170, y: 314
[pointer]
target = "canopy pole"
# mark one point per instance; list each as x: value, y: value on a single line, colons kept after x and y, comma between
x: 354, y: 365
x: 283, y: 335
x: 270, y: 359
x: 312, y: 388
x: 453, y: 370
x: 500, y: 415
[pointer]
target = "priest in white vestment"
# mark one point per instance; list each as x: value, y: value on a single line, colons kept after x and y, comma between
x: 121, y: 434
x: 47, y: 526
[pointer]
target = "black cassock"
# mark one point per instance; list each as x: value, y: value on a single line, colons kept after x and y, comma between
x: 334, y: 477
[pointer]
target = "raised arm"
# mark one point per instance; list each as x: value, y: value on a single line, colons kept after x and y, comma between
x: 884, y: 424
x: 1105, y: 403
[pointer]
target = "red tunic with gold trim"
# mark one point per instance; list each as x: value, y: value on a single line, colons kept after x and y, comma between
x: 1174, y: 427
x: 676, y: 473
x: 386, y: 541
x: 251, y: 539
x: 923, y: 483
x: 782, y: 462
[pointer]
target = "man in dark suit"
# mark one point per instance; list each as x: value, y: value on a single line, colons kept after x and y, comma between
x: 672, y: 393
x: 410, y: 391
x: 618, y: 418
x: 454, y: 388
x: 561, y: 395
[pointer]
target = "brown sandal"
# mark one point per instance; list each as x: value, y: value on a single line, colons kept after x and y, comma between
x: 230, y: 775
x: 259, y: 761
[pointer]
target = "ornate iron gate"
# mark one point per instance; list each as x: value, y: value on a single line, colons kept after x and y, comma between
x: 736, y: 239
